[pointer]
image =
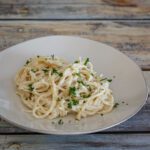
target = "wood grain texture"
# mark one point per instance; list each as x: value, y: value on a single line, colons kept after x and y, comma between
x: 82, y: 142
x: 132, y: 38
x: 75, y: 9
x: 139, y: 123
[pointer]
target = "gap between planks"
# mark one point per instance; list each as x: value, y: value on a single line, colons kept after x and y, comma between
x: 75, y: 19
x: 70, y: 9
x: 90, y: 142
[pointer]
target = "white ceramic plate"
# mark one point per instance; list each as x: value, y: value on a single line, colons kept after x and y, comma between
x: 128, y: 86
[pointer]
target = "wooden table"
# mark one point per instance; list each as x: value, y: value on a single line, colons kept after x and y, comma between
x: 123, y: 24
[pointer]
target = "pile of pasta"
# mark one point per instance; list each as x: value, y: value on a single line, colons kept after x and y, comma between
x: 50, y: 87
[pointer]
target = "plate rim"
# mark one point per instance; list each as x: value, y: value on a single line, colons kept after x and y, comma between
x: 79, y: 132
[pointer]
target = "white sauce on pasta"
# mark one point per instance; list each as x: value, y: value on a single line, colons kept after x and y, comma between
x: 49, y: 87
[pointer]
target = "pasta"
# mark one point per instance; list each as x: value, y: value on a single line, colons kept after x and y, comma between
x: 50, y: 87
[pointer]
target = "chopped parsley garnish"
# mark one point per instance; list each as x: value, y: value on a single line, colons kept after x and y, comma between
x: 45, y: 71
x: 72, y: 91
x: 109, y: 80
x: 33, y: 70
x: 73, y: 103
x: 60, y: 122
x: 60, y: 74
x: 27, y: 62
x: 30, y: 87
x: 69, y: 105
x: 76, y: 62
x: 116, y: 105
x: 56, y: 72
x: 81, y: 82
x: 86, y: 61
x: 78, y: 74
x: 92, y: 74
x: 86, y: 96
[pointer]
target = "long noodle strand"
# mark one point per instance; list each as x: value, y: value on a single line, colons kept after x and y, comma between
x: 49, y: 87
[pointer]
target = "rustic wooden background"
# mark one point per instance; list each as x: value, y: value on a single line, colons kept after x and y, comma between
x: 123, y: 24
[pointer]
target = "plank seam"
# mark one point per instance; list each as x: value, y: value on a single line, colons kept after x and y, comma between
x: 72, y: 19
x: 105, y: 132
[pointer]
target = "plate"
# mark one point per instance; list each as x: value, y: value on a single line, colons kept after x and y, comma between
x: 128, y: 85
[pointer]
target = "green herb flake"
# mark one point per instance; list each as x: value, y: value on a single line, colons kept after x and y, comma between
x: 38, y: 56
x: 60, y: 122
x: 27, y: 62
x: 102, y: 114
x: 103, y: 79
x: 72, y: 91
x: 30, y: 87
x: 45, y: 70
x: 116, y: 105
x: 76, y: 62
x: 81, y: 82
x: 78, y: 74
x: 109, y: 80
x: 73, y: 103
x: 60, y: 74
x: 86, y: 61
x: 86, y: 96
x: 56, y: 72
x: 33, y: 70
x: 70, y: 104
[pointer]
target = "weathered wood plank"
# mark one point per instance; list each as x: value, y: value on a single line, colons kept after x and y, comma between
x: 135, y: 124
x: 78, y: 9
x: 132, y: 38
x: 90, y: 142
